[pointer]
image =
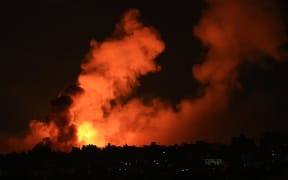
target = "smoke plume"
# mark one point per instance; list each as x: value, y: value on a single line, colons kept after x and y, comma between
x: 235, y: 32
x: 82, y: 113
x: 98, y: 110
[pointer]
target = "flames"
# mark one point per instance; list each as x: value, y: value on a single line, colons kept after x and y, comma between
x: 99, y: 110
x: 87, y: 134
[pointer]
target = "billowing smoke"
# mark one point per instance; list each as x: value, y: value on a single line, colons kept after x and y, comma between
x: 82, y: 113
x: 235, y: 32
x: 108, y: 77
x: 99, y: 109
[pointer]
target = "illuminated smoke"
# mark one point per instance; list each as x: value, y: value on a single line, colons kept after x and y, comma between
x: 98, y: 110
x: 235, y: 32
x: 229, y: 44
x: 81, y: 114
x: 109, y: 74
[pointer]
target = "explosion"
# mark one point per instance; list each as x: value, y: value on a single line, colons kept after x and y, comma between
x: 82, y: 114
x: 87, y: 134
x: 99, y: 110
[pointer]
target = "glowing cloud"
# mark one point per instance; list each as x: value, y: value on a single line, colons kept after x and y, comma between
x: 98, y: 109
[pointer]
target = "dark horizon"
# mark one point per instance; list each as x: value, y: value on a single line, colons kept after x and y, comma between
x: 267, y: 139
x: 240, y: 159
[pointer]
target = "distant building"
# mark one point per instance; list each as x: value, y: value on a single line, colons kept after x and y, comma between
x: 213, y: 161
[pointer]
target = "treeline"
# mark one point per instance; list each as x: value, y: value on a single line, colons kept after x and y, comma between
x: 241, y: 159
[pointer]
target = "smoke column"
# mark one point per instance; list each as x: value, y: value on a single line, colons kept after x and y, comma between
x: 108, y: 76
x: 98, y: 110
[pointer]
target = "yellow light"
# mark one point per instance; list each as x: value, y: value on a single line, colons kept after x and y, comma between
x: 87, y: 134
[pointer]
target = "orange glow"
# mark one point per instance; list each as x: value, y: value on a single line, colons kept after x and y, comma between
x: 110, y: 72
x: 100, y: 109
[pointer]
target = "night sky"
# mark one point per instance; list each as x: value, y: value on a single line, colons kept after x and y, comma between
x: 43, y: 43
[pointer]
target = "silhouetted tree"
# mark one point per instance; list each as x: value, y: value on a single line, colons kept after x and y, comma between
x: 43, y: 147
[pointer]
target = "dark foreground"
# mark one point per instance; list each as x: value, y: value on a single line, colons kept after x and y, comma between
x: 241, y: 159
